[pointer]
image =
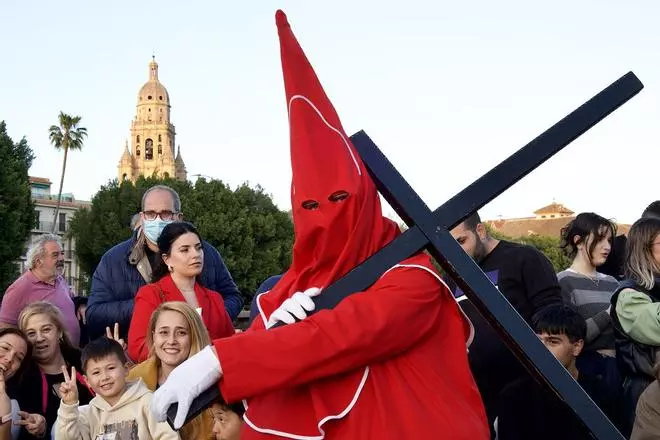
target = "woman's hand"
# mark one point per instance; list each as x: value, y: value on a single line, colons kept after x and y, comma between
x: 5, y: 401
x: 35, y: 424
x: 69, y: 388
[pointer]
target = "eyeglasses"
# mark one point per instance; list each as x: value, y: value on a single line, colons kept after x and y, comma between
x: 164, y: 215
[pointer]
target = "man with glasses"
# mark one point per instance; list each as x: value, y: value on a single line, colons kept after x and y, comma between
x: 129, y: 265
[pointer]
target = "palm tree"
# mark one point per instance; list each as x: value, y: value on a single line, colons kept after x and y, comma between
x: 68, y: 136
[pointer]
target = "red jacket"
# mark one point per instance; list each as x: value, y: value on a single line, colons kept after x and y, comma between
x: 149, y: 297
x: 388, y: 363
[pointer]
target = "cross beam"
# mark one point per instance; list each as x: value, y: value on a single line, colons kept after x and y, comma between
x: 430, y: 230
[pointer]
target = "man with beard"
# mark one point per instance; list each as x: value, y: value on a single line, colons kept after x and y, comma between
x: 389, y: 362
x: 43, y: 281
x: 527, y: 280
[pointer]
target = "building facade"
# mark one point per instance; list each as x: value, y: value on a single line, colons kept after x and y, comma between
x: 150, y: 151
x: 44, y: 206
x: 547, y: 221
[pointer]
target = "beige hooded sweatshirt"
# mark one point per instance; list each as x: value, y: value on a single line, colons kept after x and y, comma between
x: 129, y: 419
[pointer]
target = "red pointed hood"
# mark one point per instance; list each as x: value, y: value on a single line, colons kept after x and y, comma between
x: 338, y: 224
x: 337, y: 216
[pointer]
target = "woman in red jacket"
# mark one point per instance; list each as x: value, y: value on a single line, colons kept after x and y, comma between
x: 175, y: 279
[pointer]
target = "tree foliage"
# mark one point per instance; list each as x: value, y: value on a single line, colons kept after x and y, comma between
x: 253, y: 236
x: 17, y: 213
x: 549, y: 246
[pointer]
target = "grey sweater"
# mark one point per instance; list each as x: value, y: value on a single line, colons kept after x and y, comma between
x: 591, y: 297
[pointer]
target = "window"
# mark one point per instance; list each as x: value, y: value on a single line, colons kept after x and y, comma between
x: 36, y: 220
x: 62, y: 222
x: 160, y: 139
x: 160, y: 97
x: 160, y: 149
x: 149, y: 110
x: 149, y: 97
x: 166, y: 175
x: 137, y: 151
x: 137, y: 139
x: 149, y: 149
x: 124, y: 177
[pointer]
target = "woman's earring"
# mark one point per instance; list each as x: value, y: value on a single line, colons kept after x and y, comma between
x: 170, y: 268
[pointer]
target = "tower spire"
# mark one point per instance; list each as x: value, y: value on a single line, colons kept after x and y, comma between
x: 153, y: 69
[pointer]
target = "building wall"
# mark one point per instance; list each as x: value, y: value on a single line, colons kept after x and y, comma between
x: 45, y: 204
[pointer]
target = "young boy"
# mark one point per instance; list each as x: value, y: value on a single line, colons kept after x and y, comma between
x: 227, y: 421
x: 120, y: 410
x: 526, y: 410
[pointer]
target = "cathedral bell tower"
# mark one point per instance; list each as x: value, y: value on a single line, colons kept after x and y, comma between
x: 152, y: 142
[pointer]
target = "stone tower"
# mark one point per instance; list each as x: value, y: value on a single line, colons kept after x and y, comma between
x: 151, y: 149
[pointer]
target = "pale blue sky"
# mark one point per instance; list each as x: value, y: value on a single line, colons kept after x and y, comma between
x: 446, y: 89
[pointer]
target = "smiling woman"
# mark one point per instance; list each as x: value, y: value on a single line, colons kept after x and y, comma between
x: 15, y: 355
x: 43, y: 325
x: 175, y: 332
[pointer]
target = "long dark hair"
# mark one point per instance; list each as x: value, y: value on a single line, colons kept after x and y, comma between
x: 584, y: 225
x: 169, y: 235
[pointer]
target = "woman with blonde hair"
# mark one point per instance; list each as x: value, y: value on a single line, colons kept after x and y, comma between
x: 175, y: 333
x: 52, y: 349
x: 635, y: 310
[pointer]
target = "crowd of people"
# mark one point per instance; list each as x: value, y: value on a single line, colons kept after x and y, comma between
x: 410, y: 357
x: 599, y: 317
x: 149, y: 309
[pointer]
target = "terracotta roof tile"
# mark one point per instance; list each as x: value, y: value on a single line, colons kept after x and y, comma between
x: 554, y: 208
x: 39, y: 180
x: 550, y: 227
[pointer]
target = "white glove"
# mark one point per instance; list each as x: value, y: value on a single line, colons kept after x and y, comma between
x: 187, y: 381
x: 295, y: 307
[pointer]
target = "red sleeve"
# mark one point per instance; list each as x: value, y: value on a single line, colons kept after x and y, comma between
x: 219, y: 323
x: 367, y: 327
x: 146, y: 301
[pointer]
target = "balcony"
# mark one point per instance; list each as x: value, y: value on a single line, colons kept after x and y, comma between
x: 60, y: 228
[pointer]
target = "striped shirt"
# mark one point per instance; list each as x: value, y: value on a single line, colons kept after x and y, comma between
x: 591, y: 298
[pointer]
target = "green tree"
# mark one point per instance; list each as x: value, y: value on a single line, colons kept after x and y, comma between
x: 17, y: 215
x: 549, y: 246
x: 66, y: 136
x: 254, y: 237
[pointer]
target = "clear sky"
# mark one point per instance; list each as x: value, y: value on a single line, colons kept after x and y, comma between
x: 447, y: 89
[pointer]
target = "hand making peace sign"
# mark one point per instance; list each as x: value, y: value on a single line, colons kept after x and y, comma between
x: 115, y: 336
x: 69, y: 388
x: 35, y: 424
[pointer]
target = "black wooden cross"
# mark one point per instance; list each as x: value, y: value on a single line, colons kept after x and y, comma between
x: 430, y: 230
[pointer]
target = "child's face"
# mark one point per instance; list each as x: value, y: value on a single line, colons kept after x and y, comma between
x: 562, y: 348
x: 226, y: 423
x: 107, y: 377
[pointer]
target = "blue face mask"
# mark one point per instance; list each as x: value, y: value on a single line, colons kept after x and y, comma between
x: 153, y: 228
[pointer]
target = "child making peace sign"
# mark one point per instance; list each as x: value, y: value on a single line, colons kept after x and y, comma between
x: 120, y: 410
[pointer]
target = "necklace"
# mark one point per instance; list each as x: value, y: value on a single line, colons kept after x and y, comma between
x: 594, y: 278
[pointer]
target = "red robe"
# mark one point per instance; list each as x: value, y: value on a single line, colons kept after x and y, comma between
x: 387, y: 363
x: 399, y: 348
x: 149, y: 297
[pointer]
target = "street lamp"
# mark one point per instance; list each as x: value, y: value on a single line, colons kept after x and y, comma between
x: 202, y: 175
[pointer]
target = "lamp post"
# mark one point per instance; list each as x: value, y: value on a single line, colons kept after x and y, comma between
x: 202, y: 175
